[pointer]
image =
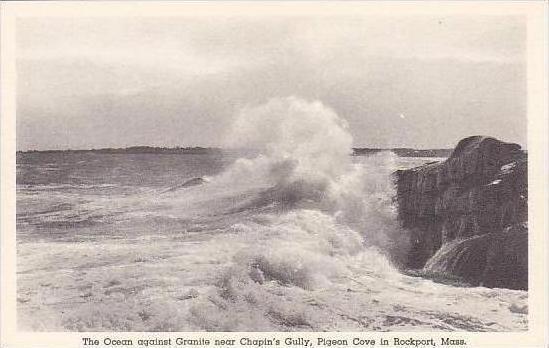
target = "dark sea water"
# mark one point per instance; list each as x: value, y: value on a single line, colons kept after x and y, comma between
x: 59, y: 193
x: 117, y: 243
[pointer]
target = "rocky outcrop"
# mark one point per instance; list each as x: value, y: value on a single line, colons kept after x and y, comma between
x: 467, y: 215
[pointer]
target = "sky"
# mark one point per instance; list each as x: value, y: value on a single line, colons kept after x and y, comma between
x: 418, y: 81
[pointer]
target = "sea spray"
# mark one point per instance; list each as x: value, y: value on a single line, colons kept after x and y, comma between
x: 298, y: 141
x: 329, y: 219
x: 309, y: 136
x: 285, y: 251
x: 305, y: 162
x: 272, y: 282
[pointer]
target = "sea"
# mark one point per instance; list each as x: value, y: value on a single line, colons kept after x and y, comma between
x: 297, y: 235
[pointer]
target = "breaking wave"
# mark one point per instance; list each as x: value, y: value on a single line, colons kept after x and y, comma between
x: 305, y: 163
x: 300, y: 236
x: 329, y: 218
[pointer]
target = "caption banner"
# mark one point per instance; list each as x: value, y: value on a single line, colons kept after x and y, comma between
x: 255, y: 342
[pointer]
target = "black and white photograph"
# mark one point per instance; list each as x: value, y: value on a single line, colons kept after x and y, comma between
x: 272, y: 173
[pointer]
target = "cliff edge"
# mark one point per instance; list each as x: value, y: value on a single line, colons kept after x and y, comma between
x: 468, y: 214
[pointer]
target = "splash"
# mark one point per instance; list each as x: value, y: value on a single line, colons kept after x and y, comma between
x: 324, y: 217
x: 300, y: 237
x: 298, y: 140
x: 305, y: 162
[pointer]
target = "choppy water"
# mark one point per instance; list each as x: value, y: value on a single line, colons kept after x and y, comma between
x: 300, y: 237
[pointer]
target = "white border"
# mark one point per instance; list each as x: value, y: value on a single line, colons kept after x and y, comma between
x: 534, y: 11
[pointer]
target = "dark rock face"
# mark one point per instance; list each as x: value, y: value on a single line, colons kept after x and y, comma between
x: 471, y: 210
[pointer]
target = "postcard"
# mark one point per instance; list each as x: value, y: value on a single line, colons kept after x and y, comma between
x: 274, y: 174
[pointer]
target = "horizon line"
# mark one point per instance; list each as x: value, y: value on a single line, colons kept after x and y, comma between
x: 206, y: 148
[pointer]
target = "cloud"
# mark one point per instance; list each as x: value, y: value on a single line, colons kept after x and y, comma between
x: 119, y: 82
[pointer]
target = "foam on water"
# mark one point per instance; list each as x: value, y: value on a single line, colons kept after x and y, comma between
x: 335, y: 224
x: 306, y: 161
x: 300, y: 237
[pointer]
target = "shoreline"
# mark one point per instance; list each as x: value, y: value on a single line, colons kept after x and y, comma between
x: 356, y: 151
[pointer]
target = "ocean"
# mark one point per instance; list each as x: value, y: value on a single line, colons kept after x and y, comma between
x: 260, y: 242
x: 296, y: 235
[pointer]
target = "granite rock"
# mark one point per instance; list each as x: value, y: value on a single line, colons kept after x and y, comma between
x: 480, y: 190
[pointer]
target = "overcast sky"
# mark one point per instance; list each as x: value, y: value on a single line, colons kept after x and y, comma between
x: 417, y: 82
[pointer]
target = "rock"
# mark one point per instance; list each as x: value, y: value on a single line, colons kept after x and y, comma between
x: 492, y: 260
x: 480, y: 190
x: 188, y: 183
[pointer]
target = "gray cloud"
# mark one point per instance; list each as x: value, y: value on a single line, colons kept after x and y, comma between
x: 99, y: 82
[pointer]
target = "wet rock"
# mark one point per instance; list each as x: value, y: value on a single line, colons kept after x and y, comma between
x: 481, y: 189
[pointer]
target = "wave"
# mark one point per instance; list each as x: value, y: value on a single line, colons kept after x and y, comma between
x: 302, y: 236
x: 327, y: 220
x: 287, y: 256
x: 305, y: 162
x: 57, y: 187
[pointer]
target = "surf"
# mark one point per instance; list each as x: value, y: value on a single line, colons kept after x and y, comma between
x: 297, y: 235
